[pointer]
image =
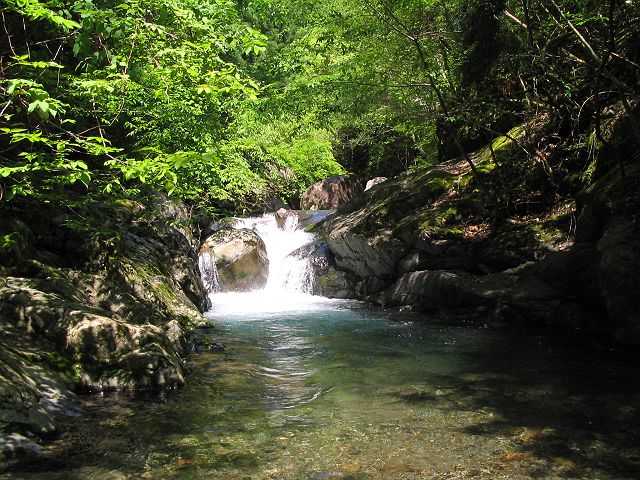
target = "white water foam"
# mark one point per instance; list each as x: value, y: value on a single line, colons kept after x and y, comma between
x: 209, y: 271
x: 290, y: 280
x: 281, y: 237
x: 265, y: 304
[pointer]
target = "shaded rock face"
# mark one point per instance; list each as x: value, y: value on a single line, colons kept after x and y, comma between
x: 619, y: 278
x: 32, y: 397
x: 405, y: 245
x: 369, y: 237
x: 241, y: 259
x: 331, y: 193
x: 114, y: 313
x: 536, y: 292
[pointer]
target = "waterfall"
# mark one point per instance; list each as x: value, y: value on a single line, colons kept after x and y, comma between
x: 209, y: 271
x: 280, y: 233
x: 290, y: 282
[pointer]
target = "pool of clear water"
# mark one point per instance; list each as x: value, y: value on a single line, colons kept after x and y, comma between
x: 338, y: 391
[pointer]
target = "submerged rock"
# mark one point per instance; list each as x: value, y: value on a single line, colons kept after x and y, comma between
x: 241, y: 259
x: 16, y: 444
x: 331, y: 193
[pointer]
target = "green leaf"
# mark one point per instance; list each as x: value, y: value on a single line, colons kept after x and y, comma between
x: 85, y: 178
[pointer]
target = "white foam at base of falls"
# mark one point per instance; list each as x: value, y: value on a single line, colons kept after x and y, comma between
x: 265, y: 304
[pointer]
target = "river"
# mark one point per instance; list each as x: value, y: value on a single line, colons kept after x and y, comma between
x: 302, y: 387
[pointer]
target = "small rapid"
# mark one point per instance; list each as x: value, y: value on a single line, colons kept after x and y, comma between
x: 282, y: 237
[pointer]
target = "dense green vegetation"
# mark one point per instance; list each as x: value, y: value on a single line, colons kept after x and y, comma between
x: 229, y: 104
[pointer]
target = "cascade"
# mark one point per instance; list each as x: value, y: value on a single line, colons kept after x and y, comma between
x: 291, y: 275
x: 282, y: 237
x: 209, y: 271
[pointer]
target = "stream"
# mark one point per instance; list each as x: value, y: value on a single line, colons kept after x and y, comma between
x: 311, y: 388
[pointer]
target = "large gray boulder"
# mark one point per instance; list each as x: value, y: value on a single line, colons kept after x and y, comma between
x: 241, y: 259
x: 331, y: 193
x: 407, y: 242
x: 548, y: 291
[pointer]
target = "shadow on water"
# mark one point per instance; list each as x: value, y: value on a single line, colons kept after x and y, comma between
x: 366, y: 395
x: 568, y: 406
x: 173, y: 434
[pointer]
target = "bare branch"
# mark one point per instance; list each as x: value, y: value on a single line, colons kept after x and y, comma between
x: 581, y: 38
x: 516, y: 19
x: 4, y: 25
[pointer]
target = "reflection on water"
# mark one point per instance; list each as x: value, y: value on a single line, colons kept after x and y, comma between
x: 345, y: 393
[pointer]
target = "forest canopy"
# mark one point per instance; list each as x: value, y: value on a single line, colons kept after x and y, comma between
x: 231, y: 104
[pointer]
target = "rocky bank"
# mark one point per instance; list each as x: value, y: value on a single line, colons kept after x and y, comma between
x: 104, y: 298
x: 428, y: 239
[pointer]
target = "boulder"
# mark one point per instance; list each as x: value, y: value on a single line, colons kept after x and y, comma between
x: 373, y: 182
x: 108, y: 350
x: 326, y: 280
x: 548, y: 291
x: 241, y: 259
x: 331, y: 193
x: 619, y: 280
x: 33, y: 397
x: 406, y: 242
x: 312, y: 220
x: 371, y: 234
x: 366, y: 256
x: 106, y: 305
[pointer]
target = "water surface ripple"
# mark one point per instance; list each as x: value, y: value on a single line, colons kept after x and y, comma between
x: 337, y: 391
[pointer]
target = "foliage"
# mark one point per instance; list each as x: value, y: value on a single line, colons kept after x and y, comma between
x: 229, y: 103
x: 117, y: 96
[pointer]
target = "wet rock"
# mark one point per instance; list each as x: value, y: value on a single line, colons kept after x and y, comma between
x: 241, y: 259
x: 619, y: 280
x: 382, y: 226
x: 428, y: 290
x: 365, y: 256
x: 311, y: 220
x: 157, y: 262
x: 406, y: 243
x: 272, y: 204
x: 542, y: 292
x: 33, y: 397
x: 144, y: 355
x: 330, y: 193
x: 327, y: 280
x: 456, y: 260
x: 285, y: 218
x: 111, y: 313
